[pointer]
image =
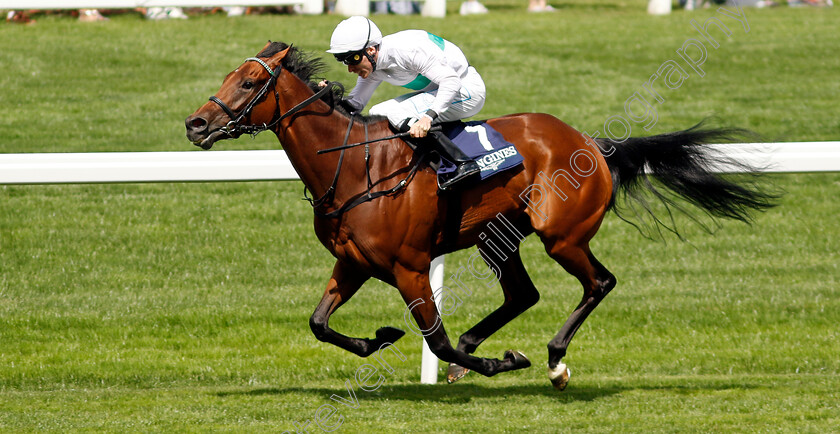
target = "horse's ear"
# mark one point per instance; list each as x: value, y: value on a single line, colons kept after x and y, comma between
x: 275, y: 59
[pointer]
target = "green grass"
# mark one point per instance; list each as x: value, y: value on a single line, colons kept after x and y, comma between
x: 172, y: 306
x: 184, y: 307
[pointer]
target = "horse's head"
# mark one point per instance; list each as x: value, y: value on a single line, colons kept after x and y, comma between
x: 244, y: 103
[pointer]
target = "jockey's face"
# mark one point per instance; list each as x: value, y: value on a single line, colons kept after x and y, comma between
x: 364, y: 68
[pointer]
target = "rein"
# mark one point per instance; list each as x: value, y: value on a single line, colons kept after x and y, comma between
x: 368, y: 195
x: 367, y: 142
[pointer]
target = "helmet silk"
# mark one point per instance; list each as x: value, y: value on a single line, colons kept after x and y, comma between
x: 354, y: 34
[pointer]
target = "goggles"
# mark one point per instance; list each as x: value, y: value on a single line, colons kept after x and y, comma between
x: 351, y: 58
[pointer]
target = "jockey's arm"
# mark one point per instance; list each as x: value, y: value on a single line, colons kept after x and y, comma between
x: 448, y: 81
x: 359, y: 96
x: 362, y: 92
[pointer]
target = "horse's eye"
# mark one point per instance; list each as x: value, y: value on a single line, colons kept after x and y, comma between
x: 248, y: 85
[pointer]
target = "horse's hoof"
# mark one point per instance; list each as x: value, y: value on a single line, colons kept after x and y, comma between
x: 559, y: 376
x: 455, y: 373
x: 519, y: 360
x: 389, y: 335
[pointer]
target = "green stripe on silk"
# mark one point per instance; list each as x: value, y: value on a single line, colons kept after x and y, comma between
x: 436, y: 39
x: 418, y: 83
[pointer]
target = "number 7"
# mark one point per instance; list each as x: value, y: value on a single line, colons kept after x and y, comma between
x: 482, y: 135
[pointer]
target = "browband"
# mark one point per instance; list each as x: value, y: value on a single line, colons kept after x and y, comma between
x: 261, y: 62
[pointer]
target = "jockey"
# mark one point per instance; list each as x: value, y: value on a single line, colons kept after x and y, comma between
x: 446, y: 88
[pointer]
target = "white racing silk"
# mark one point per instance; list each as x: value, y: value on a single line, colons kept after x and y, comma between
x: 428, y: 64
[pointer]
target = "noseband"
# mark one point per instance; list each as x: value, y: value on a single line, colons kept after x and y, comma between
x: 235, y: 127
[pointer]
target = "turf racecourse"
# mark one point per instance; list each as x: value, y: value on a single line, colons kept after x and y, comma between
x: 184, y: 307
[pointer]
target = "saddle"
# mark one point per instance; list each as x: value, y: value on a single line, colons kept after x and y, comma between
x: 480, y: 142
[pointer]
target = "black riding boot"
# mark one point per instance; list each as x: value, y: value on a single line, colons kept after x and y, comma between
x: 467, y: 167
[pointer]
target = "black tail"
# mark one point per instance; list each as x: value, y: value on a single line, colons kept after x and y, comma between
x: 681, y: 162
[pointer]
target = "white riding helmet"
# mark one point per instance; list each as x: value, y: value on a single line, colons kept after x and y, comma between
x: 354, y: 34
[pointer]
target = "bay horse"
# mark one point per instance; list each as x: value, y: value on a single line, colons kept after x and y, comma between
x: 377, y: 210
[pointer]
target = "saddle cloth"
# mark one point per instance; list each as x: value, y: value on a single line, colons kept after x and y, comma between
x: 482, y: 143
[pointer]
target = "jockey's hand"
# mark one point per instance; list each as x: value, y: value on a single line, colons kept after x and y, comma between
x: 322, y: 83
x: 420, y: 128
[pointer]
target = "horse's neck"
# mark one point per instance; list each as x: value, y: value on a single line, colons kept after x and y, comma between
x: 308, y: 133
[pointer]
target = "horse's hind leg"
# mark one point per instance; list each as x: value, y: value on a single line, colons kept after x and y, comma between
x: 597, y: 282
x: 345, y: 281
x: 520, y: 294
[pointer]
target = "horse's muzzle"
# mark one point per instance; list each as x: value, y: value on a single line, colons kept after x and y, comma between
x: 199, y: 134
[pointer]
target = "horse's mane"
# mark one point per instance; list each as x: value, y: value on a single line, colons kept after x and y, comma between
x: 307, y: 67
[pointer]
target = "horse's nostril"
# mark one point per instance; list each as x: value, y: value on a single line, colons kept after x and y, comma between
x: 196, y: 123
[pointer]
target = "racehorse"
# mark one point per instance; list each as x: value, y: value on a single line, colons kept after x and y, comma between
x: 377, y: 209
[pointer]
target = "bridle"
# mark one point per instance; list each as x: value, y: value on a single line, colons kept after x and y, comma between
x: 236, y: 127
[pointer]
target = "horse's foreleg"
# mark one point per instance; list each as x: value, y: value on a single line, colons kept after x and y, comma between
x: 345, y: 281
x: 520, y: 294
x: 417, y: 294
x: 597, y: 282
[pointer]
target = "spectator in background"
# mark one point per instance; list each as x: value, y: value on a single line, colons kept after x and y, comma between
x: 90, y: 15
x: 169, y: 13
x: 238, y: 11
x: 408, y: 7
x: 24, y: 17
x: 398, y: 7
x: 20, y: 17
x: 472, y: 7
x: 235, y: 11
x: 539, y: 6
